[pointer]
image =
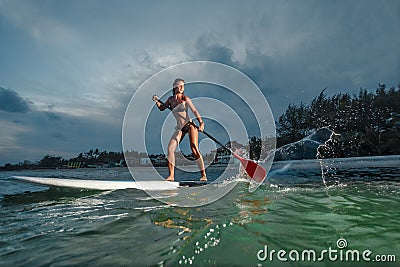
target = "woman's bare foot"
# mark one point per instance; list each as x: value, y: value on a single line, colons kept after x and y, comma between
x: 203, y: 179
x: 170, y: 178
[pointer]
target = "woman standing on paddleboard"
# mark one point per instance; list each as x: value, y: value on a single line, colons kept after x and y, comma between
x: 179, y: 103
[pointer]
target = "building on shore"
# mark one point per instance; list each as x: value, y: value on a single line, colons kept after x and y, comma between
x: 223, y: 156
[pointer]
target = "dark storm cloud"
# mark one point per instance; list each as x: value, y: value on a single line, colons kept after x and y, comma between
x: 30, y: 133
x: 264, y: 70
x: 205, y: 48
x: 11, y: 101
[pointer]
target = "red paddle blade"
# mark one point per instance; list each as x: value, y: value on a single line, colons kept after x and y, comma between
x: 256, y: 172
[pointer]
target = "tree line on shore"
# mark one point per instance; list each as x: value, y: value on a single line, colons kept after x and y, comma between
x: 367, y: 124
x: 92, y: 158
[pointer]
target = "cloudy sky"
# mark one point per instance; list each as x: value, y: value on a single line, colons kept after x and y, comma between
x: 68, y: 68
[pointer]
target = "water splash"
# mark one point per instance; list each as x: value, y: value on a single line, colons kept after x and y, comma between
x: 305, y: 148
x: 326, y: 154
x: 323, y: 144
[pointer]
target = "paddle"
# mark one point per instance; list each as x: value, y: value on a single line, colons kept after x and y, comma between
x: 256, y: 172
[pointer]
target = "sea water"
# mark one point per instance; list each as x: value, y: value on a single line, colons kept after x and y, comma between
x: 293, y: 219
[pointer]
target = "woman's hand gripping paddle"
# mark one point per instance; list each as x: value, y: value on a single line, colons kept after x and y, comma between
x: 256, y: 172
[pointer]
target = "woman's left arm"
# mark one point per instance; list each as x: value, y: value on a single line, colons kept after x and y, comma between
x: 196, y: 113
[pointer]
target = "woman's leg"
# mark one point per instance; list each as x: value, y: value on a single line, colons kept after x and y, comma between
x: 173, y: 143
x: 194, y: 145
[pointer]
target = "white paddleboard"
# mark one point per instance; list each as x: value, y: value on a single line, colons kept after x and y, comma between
x: 98, y: 184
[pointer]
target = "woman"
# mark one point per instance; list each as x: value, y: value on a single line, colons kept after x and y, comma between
x: 179, y: 103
